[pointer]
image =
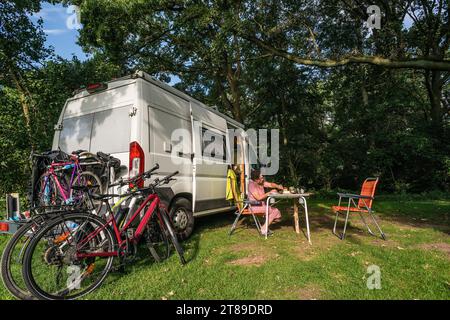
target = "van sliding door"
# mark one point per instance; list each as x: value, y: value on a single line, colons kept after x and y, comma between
x: 209, y: 159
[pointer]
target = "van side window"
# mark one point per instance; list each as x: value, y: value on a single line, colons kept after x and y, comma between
x: 213, y: 145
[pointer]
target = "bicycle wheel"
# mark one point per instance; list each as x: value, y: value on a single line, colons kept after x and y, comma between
x: 13, y: 254
x: 172, y: 236
x: 90, y: 179
x: 12, y: 259
x: 52, y: 268
x: 157, y: 240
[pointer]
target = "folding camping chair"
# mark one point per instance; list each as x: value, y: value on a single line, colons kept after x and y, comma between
x: 244, y: 210
x: 364, y: 205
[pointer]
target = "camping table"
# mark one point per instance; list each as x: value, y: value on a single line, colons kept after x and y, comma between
x: 301, y: 199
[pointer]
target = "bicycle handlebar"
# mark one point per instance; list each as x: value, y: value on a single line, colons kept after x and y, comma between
x: 151, y: 187
x: 148, y: 173
x: 145, y: 175
x: 169, y: 177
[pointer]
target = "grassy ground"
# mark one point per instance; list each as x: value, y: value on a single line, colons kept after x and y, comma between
x: 414, y: 261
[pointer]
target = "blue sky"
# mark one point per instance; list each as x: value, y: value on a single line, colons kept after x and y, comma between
x: 59, y: 36
x: 63, y: 38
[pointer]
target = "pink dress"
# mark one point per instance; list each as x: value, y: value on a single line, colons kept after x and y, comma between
x: 258, y: 190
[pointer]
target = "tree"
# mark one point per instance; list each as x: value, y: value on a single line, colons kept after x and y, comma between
x: 48, y: 87
x: 326, y: 35
x: 21, y: 48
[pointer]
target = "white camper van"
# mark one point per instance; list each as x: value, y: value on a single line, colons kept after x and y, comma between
x: 133, y: 119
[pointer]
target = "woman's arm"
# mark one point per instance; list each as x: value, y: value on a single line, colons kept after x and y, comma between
x: 262, y: 197
x: 272, y: 185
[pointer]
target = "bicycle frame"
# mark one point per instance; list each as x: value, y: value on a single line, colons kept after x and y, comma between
x: 66, y: 194
x: 121, y: 241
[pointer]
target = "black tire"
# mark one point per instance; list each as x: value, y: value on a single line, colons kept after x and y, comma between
x: 12, y: 259
x: 47, y: 239
x: 172, y: 235
x: 88, y: 178
x: 157, y: 240
x: 13, y: 254
x: 182, y: 218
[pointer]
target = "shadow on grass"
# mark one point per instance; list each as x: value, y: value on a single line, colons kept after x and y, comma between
x: 321, y: 221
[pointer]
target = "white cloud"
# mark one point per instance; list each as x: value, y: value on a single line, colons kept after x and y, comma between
x: 55, y: 31
x: 51, y: 13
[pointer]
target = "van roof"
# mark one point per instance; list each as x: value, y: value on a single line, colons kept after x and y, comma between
x: 147, y: 77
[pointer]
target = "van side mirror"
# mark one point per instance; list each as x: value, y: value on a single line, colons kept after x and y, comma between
x: 58, y: 127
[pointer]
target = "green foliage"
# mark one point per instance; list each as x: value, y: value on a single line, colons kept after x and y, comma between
x: 338, y: 126
x: 414, y: 262
x: 49, y: 87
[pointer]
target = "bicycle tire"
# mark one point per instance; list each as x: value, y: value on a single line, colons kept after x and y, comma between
x: 9, y: 279
x: 172, y: 234
x: 100, y: 190
x: 30, y: 280
x: 157, y: 240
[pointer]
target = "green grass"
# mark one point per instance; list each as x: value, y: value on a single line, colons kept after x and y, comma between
x: 414, y: 261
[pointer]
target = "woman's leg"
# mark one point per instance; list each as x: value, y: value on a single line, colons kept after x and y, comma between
x: 274, y: 214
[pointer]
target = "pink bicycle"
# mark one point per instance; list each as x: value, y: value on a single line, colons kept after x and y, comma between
x: 55, y: 185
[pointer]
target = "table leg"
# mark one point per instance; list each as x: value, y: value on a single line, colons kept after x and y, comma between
x: 296, y: 220
x: 267, y: 215
x: 307, y: 219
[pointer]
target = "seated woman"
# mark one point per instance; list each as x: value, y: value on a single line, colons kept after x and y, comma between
x: 256, y: 193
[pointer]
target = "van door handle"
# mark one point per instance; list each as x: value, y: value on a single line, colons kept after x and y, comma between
x: 181, y: 154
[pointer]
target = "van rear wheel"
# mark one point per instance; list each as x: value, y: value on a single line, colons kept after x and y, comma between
x: 182, y: 218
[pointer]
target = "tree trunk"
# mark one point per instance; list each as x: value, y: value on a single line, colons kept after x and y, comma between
x: 284, y: 136
x: 25, y: 106
x: 236, y: 102
x: 434, y: 83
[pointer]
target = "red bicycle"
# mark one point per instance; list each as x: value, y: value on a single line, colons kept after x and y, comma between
x: 72, y: 255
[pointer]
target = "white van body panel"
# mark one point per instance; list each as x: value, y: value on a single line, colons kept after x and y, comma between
x: 142, y: 109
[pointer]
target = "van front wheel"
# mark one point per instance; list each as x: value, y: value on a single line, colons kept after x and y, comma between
x: 182, y: 218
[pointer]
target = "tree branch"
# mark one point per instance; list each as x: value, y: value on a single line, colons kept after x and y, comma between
x: 427, y: 64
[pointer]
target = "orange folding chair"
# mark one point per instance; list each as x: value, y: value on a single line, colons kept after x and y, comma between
x: 364, y: 205
x: 244, y: 210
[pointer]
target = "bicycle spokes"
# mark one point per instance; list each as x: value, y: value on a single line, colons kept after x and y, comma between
x: 63, y: 264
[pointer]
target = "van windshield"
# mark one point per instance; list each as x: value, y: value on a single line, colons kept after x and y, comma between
x: 107, y: 131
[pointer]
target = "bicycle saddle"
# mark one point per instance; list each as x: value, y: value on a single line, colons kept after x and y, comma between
x: 106, y: 157
x: 78, y: 152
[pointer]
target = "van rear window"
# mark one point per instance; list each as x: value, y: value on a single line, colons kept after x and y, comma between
x: 107, y: 131
x: 76, y: 133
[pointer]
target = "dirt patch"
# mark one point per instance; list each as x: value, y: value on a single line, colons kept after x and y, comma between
x: 254, y: 260
x: 321, y: 243
x: 386, y: 243
x: 310, y: 292
x: 257, y: 254
x: 442, y: 247
x: 249, y: 246
x: 416, y: 224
